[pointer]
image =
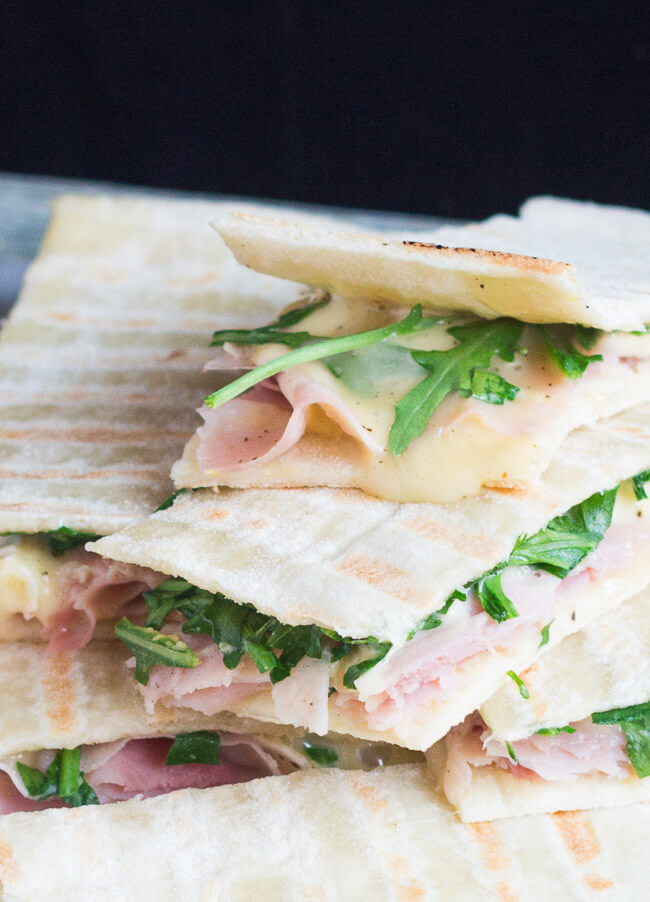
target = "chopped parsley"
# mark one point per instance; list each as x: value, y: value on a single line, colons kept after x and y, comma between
x: 237, y: 629
x: 553, y: 731
x: 523, y: 688
x: 511, y: 753
x: 200, y: 747
x: 63, y: 778
x: 320, y: 754
x: 635, y: 723
x: 546, y: 633
x: 638, y: 484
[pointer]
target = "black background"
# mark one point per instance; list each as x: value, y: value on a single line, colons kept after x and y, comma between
x: 457, y: 108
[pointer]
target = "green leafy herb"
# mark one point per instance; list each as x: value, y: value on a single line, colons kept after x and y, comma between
x: 63, y: 539
x: 557, y: 548
x: 492, y: 597
x: 275, y: 333
x: 546, y: 633
x: 511, y: 753
x: 433, y: 621
x: 200, y: 747
x: 587, y: 336
x: 635, y: 723
x: 152, y: 648
x: 564, y: 353
x: 553, y: 731
x: 455, y: 370
x: 317, y: 350
x: 320, y: 754
x: 239, y: 629
x: 366, y: 370
x: 638, y: 484
x: 352, y: 674
x: 62, y: 778
x: 523, y: 688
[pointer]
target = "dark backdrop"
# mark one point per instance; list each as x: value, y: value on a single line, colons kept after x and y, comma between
x: 455, y: 108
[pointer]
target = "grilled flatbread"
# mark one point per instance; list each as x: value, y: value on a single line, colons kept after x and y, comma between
x: 369, y: 568
x: 331, y: 835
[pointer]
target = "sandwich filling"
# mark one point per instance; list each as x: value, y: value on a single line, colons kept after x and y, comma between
x: 405, y: 406
x: 553, y: 583
x: 614, y: 744
x: 145, y: 767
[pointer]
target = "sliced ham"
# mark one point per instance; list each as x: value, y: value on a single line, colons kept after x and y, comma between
x: 137, y: 767
x: 592, y: 749
x: 301, y: 698
x: 93, y: 588
x: 265, y: 422
x: 208, y: 688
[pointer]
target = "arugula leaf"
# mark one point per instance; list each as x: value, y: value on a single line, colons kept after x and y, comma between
x: 63, y: 539
x: 433, y: 621
x: 366, y: 369
x: 564, y: 354
x: 171, y: 498
x: 326, y: 347
x: 151, y: 648
x: 492, y: 597
x: 553, y: 731
x: 587, y: 336
x: 635, y: 723
x: 523, y: 688
x: 353, y: 673
x: 546, y: 630
x: 454, y: 370
x: 638, y: 484
x: 62, y: 778
x: 275, y: 332
x: 320, y: 753
x: 557, y: 548
x: 200, y: 747
x: 511, y: 753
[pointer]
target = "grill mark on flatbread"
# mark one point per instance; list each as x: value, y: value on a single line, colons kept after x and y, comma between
x: 494, y: 858
x: 59, y: 688
x: 598, y: 884
x: 521, y: 261
x: 578, y: 835
x: 94, y: 436
x: 382, y: 576
x: 8, y: 866
x: 411, y: 892
x: 450, y: 535
x: 371, y: 799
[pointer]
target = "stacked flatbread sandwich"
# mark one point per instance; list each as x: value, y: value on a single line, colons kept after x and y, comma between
x: 421, y: 484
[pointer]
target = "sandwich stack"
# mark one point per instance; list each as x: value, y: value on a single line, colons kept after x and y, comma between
x: 413, y: 519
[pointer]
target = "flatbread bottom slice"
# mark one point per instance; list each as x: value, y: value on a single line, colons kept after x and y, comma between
x: 325, y: 835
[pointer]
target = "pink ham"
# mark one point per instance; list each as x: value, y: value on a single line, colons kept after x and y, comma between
x: 208, y: 688
x: 93, y: 588
x: 137, y: 767
x: 264, y: 423
x: 592, y: 749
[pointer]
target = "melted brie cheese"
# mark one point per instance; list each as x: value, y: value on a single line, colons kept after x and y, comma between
x: 27, y: 570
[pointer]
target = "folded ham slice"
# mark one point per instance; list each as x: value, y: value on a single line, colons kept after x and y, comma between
x: 93, y: 588
x: 137, y: 767
x: 592, y: 749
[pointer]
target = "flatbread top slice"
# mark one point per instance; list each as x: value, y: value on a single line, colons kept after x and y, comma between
x: 100, y: 361
x: 559, y: 261
x: 329, y: 834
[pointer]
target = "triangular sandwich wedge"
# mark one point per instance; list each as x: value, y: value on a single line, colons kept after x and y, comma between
x: 338, y: 611
x: 392, y: 377
x: 571, y: 731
